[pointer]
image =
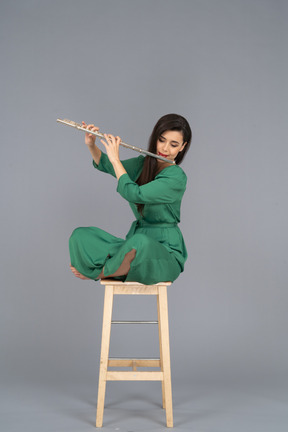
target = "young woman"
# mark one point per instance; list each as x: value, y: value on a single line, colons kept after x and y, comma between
x: 154, y: 249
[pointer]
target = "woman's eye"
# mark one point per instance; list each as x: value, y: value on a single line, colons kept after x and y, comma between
x: 161, y: 140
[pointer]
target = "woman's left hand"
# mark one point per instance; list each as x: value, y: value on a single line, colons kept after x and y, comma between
x: 112, y: 147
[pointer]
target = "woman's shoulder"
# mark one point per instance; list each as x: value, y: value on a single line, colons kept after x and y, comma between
x: 174, y: 171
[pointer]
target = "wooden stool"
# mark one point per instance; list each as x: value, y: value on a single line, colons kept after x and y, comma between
x: 164, y: 374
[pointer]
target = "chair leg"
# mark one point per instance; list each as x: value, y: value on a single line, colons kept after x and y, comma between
x: 163, y: 310
x: 161, y: 353
x: 106, y: 331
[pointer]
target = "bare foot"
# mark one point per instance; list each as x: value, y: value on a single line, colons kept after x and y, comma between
x: 77, y: 274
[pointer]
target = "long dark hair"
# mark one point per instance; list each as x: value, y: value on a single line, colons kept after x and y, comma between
x: 168, y: 122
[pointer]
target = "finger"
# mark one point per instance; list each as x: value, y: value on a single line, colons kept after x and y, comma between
x: 90, y: 127
x: 106, y: 136
x: 111, y: 137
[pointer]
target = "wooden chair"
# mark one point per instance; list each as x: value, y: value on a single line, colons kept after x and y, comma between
x: 163, y: 363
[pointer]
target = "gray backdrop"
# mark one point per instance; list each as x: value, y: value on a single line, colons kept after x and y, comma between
x: 123, y: 64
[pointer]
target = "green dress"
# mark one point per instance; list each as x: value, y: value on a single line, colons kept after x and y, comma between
x: 156, y: 237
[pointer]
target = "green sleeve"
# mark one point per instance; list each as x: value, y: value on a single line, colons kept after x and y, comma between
x: 167, y: 187
x: 132, y: 166
x: 104, y: 165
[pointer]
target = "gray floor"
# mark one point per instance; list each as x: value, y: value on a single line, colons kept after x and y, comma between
x: 136, y: 407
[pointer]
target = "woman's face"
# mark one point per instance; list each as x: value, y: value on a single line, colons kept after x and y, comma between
x: 169, y: 144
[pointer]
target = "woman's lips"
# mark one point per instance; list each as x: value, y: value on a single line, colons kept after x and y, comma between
x: 161, y: 154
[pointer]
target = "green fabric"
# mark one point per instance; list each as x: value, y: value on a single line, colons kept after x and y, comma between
x: 159, y: 244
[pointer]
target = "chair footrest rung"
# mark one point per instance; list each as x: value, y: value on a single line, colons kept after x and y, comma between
x: 129, y: 362
x: 134, y: 322
x: 134, y: 376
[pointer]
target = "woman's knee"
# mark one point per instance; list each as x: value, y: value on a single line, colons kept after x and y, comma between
x: 77, y: 235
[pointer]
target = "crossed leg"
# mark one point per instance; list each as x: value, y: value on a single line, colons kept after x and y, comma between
x: 121, y: 271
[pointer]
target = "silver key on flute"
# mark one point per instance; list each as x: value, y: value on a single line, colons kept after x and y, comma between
x: 101, y: 135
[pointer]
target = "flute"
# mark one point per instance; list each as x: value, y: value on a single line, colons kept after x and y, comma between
x: 101, y: 135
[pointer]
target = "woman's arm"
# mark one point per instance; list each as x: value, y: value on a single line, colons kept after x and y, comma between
x: 90, y: 140
x: 167, y: 187
x: 110, y: 163
x: 133, y: 166
x: 112, y: 147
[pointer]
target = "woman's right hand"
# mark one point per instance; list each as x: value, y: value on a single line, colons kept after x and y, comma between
x: 90, y: 138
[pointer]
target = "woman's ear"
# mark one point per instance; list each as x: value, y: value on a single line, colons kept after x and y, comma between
x: 183, y: 146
